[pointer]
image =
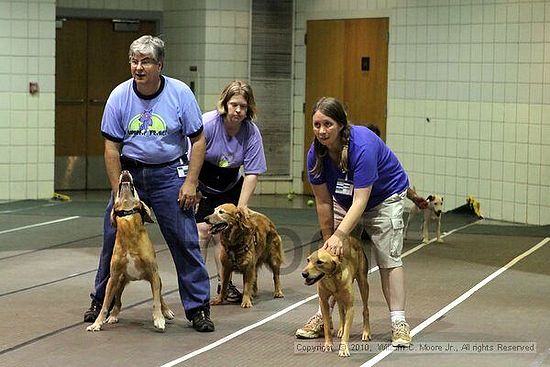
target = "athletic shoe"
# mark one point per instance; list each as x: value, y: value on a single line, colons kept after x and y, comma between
x: 312, y: 329
x: 233, y: 295
x: 400, y: 334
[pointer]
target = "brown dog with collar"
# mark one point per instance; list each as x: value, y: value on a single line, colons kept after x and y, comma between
x: 133, y: 256
x: 249, y: 240
x: 334, y: 277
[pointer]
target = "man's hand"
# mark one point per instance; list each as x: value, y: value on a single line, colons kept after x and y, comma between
x: 187, y: 197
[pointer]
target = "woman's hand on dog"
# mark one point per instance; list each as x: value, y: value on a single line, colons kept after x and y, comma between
x: 420, y: 202
x: 334, y: 245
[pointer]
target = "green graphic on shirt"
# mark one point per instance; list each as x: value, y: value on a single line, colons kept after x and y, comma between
x: 223, y: 162
x: 147, y: 123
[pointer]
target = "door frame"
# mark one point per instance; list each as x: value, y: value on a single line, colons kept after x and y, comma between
x: 78, y: 13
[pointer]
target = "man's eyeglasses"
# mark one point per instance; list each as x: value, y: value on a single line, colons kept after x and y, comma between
x: 144, y: 63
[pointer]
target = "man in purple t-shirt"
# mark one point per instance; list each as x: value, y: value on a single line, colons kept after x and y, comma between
x: 146, y: 124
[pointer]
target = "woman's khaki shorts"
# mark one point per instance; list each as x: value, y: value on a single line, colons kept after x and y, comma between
x: 384, y: 225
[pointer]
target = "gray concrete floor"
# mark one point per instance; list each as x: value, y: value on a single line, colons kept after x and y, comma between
x: 48, y: 258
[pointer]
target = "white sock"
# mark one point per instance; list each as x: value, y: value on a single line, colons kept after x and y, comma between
x: 397, y: 316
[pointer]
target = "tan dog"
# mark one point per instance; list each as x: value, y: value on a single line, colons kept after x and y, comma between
x: 249, y: 239
x: 431, y: 214
x: 133, y: 256
x: 334, y: 277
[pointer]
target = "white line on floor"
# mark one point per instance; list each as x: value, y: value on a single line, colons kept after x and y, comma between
x: 459, y: 300
x: 27, y: 208
x: 237, y: 333
x: 284, y: 311
x: 39, y: 224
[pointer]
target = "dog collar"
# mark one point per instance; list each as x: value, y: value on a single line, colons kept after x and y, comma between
x: 124, y: 213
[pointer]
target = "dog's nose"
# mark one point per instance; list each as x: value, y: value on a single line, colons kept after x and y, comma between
x: 305, y: 274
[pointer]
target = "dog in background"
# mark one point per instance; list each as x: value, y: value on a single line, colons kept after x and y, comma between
x: 334, y: 277
x: 249, y: 240
x: 133, y: 256
x: 432, y: 213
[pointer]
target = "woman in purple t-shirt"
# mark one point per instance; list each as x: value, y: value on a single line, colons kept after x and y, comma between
x: 234, y: 158
x: 359, y: 185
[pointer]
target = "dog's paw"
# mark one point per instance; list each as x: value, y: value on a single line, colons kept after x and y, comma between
x: 168, y: 314
x: 112, y: 319
x: 159, y: 323
x: 327, y: 347
x: 278, y: 294
x: 440, y: 240
x: 216, y: 300
x: 246, y: 303
x: 94, y: 327
x: 344, y: 350
x: 365, y: 336
x: 425, y: 240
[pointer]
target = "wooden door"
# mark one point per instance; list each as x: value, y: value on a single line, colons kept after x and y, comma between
x: 70, y: 105
x: 107, y: 67
x: 348, y: 60
x: 91, y: 59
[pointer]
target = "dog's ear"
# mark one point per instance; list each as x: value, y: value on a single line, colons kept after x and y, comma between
x: 243, y: 217
x: 430, y: 198
x: 146, y: 213
x: 113, y: 217
x: 337, y: 260
x: 243, y: 213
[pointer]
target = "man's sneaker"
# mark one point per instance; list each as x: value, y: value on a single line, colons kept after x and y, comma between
x: 400, y: 334
x: 201, y: 321
x: 312, y: 329
x: 93, y: 312
x: 233, y: 294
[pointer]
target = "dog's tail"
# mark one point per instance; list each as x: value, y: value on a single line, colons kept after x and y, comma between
x: 275, y: 242
x: 279, y: 240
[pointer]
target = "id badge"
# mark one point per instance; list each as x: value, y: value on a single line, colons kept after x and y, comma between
x: 344, y: 187
x: 182, y: 170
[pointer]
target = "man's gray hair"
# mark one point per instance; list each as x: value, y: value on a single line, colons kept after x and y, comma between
x: 148, y: 45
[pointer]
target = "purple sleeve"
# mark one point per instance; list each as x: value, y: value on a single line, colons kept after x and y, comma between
x: 110, y: 122
x: 191, y: 114
x: 254, y: 157
x: 314, y: 180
